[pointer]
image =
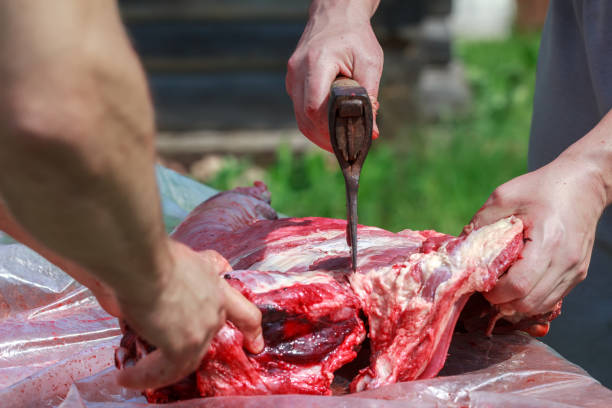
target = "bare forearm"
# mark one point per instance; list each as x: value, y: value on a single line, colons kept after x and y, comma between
x: 593, y: 153
x: 76, y: 126
x: 10, y: 226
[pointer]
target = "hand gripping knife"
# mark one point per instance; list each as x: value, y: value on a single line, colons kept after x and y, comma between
x: 350, y: 131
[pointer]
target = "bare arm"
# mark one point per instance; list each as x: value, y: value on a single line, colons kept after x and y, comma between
x: 78, y: 135
x: 560, y: 204
x: 103, y: 293
x: 338, y: 40
x: 76, y: 171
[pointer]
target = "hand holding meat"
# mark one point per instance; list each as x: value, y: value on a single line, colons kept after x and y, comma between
x: 181, y: 314
x: 77, y: 180
x: 338, y: 40
x: 560, y: 205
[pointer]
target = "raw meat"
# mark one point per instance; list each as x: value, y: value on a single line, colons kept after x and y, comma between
x: 409, y: 288
x: 311, y: 327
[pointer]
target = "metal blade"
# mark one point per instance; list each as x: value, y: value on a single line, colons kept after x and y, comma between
x: 352, y: 186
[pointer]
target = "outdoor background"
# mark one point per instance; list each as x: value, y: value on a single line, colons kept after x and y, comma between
x: 428, y: 175
x: 455, y: 112
x: 456, y: 102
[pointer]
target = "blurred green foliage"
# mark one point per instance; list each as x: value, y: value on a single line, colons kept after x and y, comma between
x: 432, y: 176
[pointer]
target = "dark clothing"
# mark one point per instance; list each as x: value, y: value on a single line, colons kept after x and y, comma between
x: 573, y: 93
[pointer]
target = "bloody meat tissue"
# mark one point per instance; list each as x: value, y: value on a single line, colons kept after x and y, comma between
x: 409, y: 289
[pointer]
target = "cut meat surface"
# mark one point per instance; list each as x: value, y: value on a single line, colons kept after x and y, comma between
x: 413, y: 305
x: 311, y: 328
x: 409, y: 289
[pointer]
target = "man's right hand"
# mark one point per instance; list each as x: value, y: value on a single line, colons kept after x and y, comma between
x: 560, y: 205
x: 181, y: 314
x: 338, y: 40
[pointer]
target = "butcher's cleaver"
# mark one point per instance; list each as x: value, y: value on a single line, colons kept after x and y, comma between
x: 350, y: 131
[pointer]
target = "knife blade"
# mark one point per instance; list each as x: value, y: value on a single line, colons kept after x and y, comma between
x: 350, y: 130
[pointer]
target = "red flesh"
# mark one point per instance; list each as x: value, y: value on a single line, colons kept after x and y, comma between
x: 311, y: 321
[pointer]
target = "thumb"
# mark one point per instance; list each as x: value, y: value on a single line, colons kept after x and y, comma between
x: 245, y: 315
x: 488, y: 214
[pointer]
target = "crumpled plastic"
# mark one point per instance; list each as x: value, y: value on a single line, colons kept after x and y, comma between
x: 57, y: 349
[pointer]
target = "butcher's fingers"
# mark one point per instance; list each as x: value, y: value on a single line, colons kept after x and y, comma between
x: 562, y: 276
x: 216, y: 261
x: 246, y: 316
x: 308, y: 87
x: 545, y: 294
x: 522, y: 277
x: 551, y: 266
x: 158, y: 369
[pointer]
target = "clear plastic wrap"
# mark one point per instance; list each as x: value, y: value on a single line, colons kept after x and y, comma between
x: 57, y: 346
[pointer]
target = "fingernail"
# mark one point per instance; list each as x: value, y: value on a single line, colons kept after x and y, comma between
x: 259, y: 344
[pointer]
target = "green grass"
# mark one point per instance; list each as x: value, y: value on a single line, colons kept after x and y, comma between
x: 451, y: 168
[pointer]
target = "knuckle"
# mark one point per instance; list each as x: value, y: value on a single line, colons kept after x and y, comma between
x: 312, y: 57
x: 192, y: 341
x: 527, y: 306
x: 498, y: 196
x: 375, y: 60
x: 548, y: 306
x: 293, y: 63
x: 303, y: 128
x: 573, y: 260
x: 213, y: 321
x: 311, y: 109
x: 519, y: 287
x: 211, y: 253
x: 217, y: 261
x: 582, y: 273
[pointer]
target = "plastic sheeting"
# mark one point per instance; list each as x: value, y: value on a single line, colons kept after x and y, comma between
x: 57, y: 345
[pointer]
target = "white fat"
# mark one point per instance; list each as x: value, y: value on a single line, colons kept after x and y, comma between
x: 431, y: 262
x: 383, y: 368
x: 486, y: 243
x: 479, y: 250
x: 325, y: 243
x: 285, y: 280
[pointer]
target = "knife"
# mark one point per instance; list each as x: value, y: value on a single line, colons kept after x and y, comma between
x: 350, y: 131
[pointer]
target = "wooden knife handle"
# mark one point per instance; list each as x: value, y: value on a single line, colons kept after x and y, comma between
x: 350, y: 121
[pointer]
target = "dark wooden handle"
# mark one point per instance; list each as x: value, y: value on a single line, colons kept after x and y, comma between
x: 350, y: 122
x: 346, y: 87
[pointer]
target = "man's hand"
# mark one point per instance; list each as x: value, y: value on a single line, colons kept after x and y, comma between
x: 560, y: 205
x: 338, y: 40
x: 77, y: 173
x: 182, y: 314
